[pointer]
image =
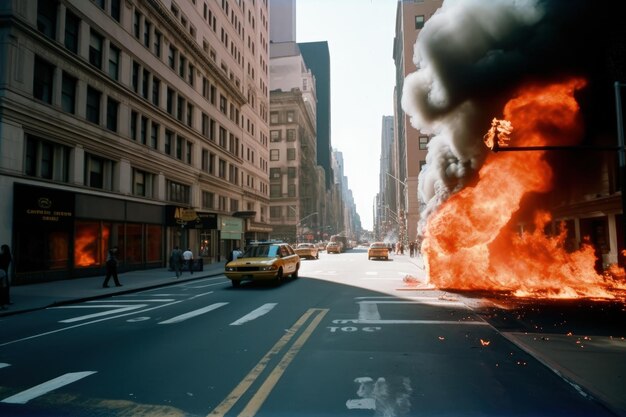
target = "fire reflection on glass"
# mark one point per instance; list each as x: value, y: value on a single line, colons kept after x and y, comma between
x: 90, y: 243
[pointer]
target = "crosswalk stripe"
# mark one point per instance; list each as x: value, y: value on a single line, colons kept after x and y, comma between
x: 117, y: 308
x: 41, y: 389
x: 4, y: 365
x: 192, y: 314
x: 264, y: 309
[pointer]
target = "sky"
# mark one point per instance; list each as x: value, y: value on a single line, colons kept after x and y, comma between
x: 360, y: 39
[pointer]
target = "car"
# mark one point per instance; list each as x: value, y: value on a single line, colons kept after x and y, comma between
x: 263, y: 262
x: 307, y: 250
x: 333, y: 247
x: 321, y: 246
x: 378, y: 250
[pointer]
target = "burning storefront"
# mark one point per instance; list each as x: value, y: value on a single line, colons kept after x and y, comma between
x: 539, y: 222
x: 60, y: 234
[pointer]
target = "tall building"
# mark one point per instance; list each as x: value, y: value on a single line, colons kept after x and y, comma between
x: 140, y: 124
x: 317, y: 58
x: 295, y: 193
x: 386, y: 209
x: 410, y: 145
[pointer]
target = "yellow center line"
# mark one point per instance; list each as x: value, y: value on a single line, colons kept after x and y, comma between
x: 252, y: 376
x: 268, y: 385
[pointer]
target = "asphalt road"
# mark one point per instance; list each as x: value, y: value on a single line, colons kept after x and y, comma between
x: 347, y: 338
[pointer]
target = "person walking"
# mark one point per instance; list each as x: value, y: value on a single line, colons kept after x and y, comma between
x: 5, y: 281
x: 176, y: 261
x: 188, y: 257
x: 111, y: 266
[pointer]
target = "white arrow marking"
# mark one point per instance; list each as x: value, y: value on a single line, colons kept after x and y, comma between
x: 264, y: 309
x: 194, y: 313
x: 119, y: 308
x: 41, y: 389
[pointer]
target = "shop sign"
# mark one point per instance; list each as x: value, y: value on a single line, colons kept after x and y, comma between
x: 231, y: 228
x: 42, y: 205
x: 188, y: 218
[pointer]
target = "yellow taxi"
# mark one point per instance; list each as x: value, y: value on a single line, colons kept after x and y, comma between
x: 307, y: 250
x: 378, y: 250
x: 263, y: 261
x: 333, y: 247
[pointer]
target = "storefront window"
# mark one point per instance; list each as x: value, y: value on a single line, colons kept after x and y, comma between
x: 134, y: 236
x: 90, y: 244
x: 205, y: 243
x: 154, y: 239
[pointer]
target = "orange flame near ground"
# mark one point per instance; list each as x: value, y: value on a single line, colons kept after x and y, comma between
x: 469, y: 243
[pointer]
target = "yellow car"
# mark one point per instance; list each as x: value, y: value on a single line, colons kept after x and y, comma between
x: 307, y: 250
x: 333, y: 247
x: 264, y: 261
x: 378, y: 250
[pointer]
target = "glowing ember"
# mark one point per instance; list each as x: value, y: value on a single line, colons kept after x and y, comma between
x: 469, y: 243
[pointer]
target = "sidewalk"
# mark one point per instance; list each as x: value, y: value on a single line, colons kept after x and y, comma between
x: 39, y: 296
x: 593, y: 365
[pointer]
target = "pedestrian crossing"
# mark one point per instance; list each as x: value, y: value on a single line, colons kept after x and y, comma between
x: 46, y: 387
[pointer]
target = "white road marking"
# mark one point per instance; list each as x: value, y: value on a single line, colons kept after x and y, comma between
x: 4, y: 365
x: 194, y: 313
x: 145, y: 300
x: 371, y: 273
x: 201, y: 295
x: 118, y: 308
x: 458, y: 322
x: 41, y: 389
x: 368, y: 311
x: 425, y: 300
x: 264, y: 309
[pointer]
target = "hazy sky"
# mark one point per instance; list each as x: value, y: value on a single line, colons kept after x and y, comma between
x: 360, y: 39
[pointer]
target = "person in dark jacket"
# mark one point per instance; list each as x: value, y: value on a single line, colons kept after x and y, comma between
x: 176, y: 260
x: 111, y: 266
x: 5, y: 282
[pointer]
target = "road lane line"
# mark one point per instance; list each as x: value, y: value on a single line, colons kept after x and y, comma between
x: 458, y: 322
x: 193, y: 313
x: 41, y: 389
x: 368, y: 311
x: 248, y: 380
x: 145, y: 300
x: 264, y: 309
x: 4, y: 365
x: 119, y: 309
x: 270, y: 382
x: 200, y: 295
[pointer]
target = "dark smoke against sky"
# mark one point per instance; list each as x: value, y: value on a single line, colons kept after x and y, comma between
x: 473, y: 54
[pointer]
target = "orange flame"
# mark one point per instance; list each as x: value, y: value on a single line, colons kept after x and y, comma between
x: 467, y: 243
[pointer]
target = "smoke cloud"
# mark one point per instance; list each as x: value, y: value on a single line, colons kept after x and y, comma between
x: 471, y: 55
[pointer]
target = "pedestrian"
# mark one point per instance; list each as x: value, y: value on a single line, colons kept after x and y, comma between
x: 111, y: 267
x: 411, y: 248
x: 236, y: 253
x: 5, y: 284
x: 176, y: 261
x: 188, y: 257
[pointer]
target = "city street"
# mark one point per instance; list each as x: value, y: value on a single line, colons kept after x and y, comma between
x: 347, y: 338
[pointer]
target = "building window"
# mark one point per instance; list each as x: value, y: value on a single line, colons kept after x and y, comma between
x: 208, y: 200
x: 42, y: 80
x: 154, y: 136
x: 221, y: 169
x: 93, y: 105
x: 47, y: 17
x: 114, y: 62
x: 72, y: 23
x: 274, y: 155
x: 180, y: 108
x: 234, y: 205
x: 147, y: 26
x: 291, y: 172
x: 222, y: 203
x: 68, y: 94
x: 136, y: 23
x: 178, y: 193
x: 112, y: 109
x: 116, y: 9
x: 135, y: 77
x: 170, y: 101
x: 290, y: 117
x: 188, y: 151
x: 169, y: 138
x: 274, y: 117
x: 291, y: 135
x: 171, y: 57
x: 223, y: 104
x: 156, y: 91
x: 291, y: 154
x: 276, y: 212
x: 423, y: 142
x: 274, y: 135
x: 222, y: 139
x: 179, y: 147
x: 158, y: 37
x: 419, y: 22
x: 98, y: 172
x: 46, y: 159
x: 291, y: 190
x: 142, y: 183
x: 275, y: 191
x: 274, y: 173
x: 96, y: 42
x: 189, y: 114
x: 145, y: 84
x: 143, y: 130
